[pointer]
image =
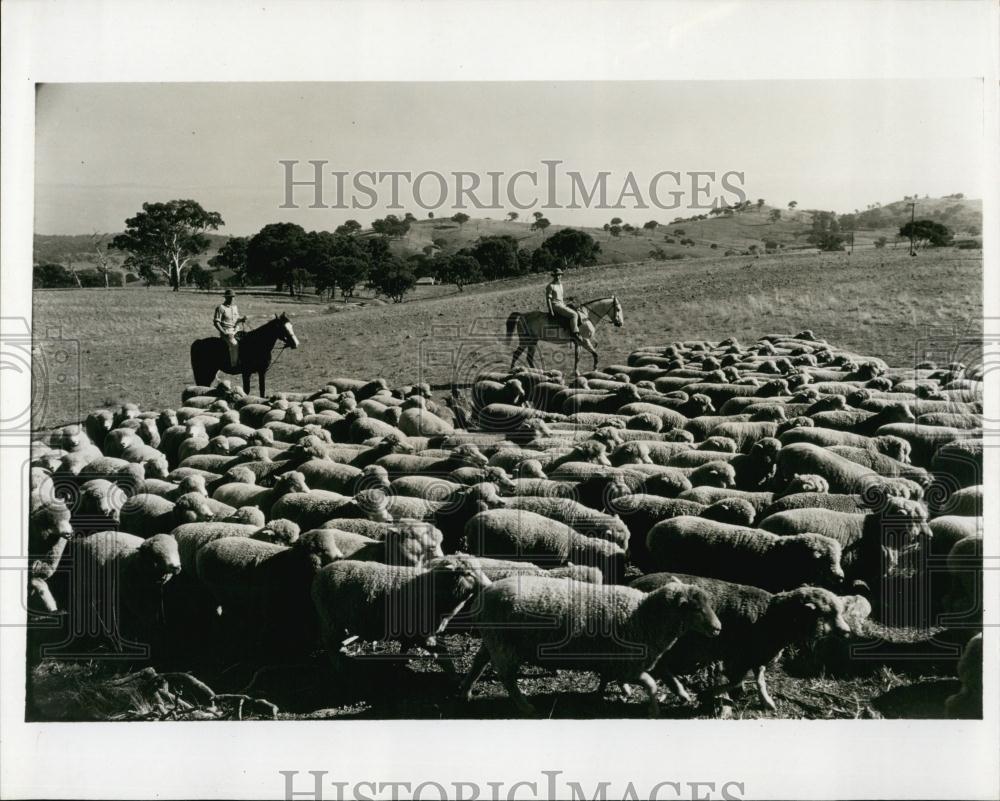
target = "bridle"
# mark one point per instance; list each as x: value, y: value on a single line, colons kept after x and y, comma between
x: 606, y: 314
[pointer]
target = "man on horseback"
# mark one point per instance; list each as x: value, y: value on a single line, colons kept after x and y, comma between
x: 558, y: 307
x: 227, y: 318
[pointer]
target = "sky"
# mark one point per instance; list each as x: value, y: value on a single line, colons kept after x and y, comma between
x: 104, y: 149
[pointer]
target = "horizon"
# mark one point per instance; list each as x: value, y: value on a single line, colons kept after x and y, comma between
x: 104, y: 149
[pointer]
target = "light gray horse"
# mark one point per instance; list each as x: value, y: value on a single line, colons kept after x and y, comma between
x: 537, y: 326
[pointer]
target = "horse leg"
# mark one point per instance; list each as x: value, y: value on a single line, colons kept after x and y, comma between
x: 260, y: 377
x: 530, y: 355
x: 576, y: 357
x: 517, y: 353
x: 590, y: 346
x: 246, y: 383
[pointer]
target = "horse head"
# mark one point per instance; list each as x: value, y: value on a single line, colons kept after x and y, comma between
x: 616, y: 312
x: 285, y: 332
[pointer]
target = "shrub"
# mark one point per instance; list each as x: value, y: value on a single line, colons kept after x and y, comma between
x: 714, y: 246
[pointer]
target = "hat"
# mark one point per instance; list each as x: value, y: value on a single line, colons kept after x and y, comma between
x: 557, y: 271
x: 228, y: 294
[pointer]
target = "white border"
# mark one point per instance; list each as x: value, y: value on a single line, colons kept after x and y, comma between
x: 218, y: 40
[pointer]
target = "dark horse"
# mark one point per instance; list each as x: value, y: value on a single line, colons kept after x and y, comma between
x: 210, y: 355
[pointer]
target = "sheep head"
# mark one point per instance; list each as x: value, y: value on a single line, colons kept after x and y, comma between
x: 159, y: 559
x: 807, y: 482
x: 734, y: 511
x: 808, y: 613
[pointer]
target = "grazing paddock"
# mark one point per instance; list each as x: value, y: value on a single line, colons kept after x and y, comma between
x: 134, y: 342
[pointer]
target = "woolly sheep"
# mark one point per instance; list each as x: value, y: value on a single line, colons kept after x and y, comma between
x: 633, y: 630
x: 406, y: 542
x: 926, y: 440
x: 131, y: 572
x: 814, y: 500
x: 517, y: 534
x: 237, y: 494
x: 968, y: 701
x: 892, y: 446
x: 843, y: 475
x: 584, y: 520
x: 744, y: 555
x: 145, y: 515
x: 756, y: 627
x: 377, y: 602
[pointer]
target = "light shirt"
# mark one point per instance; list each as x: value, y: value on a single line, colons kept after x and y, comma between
x: 226, y: 317
x: 554, y: 292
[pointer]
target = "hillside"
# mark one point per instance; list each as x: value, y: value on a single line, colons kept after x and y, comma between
x: 711, y: 237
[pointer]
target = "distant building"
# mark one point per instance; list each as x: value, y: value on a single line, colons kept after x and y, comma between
x: 427, y: 280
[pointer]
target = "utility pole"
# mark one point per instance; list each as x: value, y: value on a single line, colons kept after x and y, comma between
x: 913, y: 210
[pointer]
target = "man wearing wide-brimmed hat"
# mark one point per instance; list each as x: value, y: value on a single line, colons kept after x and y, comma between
x: 227, y: 318
x: 557, y: 305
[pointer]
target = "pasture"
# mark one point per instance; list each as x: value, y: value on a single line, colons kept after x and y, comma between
x: 133, y: 343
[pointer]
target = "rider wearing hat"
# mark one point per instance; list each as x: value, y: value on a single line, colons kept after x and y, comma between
x: 227, y: 317
x: 557, y: 305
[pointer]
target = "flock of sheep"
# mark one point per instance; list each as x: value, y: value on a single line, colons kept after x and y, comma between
x: 702, y: 506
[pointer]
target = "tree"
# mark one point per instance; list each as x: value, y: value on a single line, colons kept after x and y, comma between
x: 880, y: 242
x: 408, y: 217
x: 792, y: 204
x: 512, y: 215
x: 615, y: 230
x: 651, y: 225
x: 297, y: 280
x: 233, y: 256
x: 199, y: 277
x: 927, y: 232
x: 460, y: 217
x: 99, y: 246
x: 460, y: 269
x: 348, y: 272
x: 540, y: 224
x: 52, y: 276
x: 391, y: 226
x: 164, y: 237
x: 825, y: 232
x: 497, y: 256
x: 616, y: 221
x: 274, y: 251
x: 760, y: 204
x: 393, y: 278
x: 572, y: 246
x: 348, y: 227
x: 775, y: 215
x: 537, y: 215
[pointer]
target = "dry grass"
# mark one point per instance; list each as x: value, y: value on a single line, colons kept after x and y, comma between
x: 134, y: 342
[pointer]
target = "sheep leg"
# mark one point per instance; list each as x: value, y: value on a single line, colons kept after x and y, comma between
x: 443, y: 657
x: 675, y: 684
x: 508, y: 677
x: 479, y: 663
x: 765, y: 696
x: 650, y: 684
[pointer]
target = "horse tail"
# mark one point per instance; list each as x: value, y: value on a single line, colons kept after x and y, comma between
x: 512, y: 324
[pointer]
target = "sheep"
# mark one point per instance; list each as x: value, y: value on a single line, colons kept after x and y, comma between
x: 862, y: 422
x: 496, y: 569
x: 477, y: 475
x: 745, y: 434
x: 926, y: 440
x: 98, y: 506
x: 618, y: 631
x: 145, y: 515
x: 744, y: 555
x: 517, y: 534
x: 378, y: 602
x: 648, y: 452
x: 966, y: 502
x: 399, y: 464
x: 49, y: 530
x: 586, y: 521
x: 510, y: 392
x: 964, y: 601
x: 706, y: 496
x: 313, y: 508
x: 882, y: 464
x: 756, y: 627
x: 407, y: 542
x: 843, y: 475
x: 191, y: 537
x: 947, y: 530
x: 237, y: 494
x: 223, y: 567
x: 960, y: 463
x: 813, y: 500
x: 892, y: 446
x: 968, y: 701
x: 131, y: 572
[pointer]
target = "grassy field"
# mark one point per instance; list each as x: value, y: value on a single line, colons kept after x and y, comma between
x: 133, y: 343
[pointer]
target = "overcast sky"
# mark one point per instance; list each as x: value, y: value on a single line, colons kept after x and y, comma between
x: 104, y: 149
